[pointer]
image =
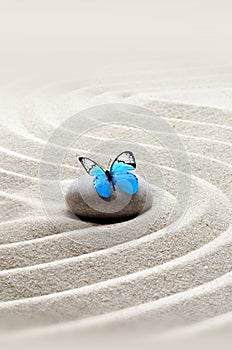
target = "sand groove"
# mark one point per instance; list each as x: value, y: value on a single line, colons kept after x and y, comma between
x: 146, y: 271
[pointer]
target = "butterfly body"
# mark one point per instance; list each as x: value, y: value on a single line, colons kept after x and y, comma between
x: 119, y: 175
x: 109, y: 176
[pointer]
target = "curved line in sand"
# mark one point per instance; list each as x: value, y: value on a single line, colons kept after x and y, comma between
x: 188, y: 262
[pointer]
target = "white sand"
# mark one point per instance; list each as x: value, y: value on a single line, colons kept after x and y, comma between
x: 135, y: 274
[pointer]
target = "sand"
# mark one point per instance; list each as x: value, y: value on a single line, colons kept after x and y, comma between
x: 63, y: 276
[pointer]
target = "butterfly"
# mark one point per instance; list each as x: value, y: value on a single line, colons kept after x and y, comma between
x: 118, y: 175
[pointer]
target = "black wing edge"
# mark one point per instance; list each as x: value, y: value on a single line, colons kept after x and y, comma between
x: 80, y: 159
x: 92, y: 161
x: 133, y: 163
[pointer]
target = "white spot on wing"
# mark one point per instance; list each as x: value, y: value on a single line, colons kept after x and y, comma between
x: 126, y: 157
x: 88, y: 164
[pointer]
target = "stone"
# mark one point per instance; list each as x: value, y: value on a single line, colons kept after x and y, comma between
x: 83, y: 200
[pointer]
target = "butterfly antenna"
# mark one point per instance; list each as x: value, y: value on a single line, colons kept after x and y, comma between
x: 109, y: 162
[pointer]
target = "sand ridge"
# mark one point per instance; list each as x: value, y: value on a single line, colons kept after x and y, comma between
x: 152, y: 275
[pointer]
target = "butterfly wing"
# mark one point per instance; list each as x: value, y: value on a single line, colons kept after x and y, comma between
x: 120, y: 172
x: 124, y: 162
x: 91, y: 167
x: 100, y: 181
x: 102, y: 186
x: 126, y: 182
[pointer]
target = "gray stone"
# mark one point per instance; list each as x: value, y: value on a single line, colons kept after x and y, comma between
x: 83, y: 200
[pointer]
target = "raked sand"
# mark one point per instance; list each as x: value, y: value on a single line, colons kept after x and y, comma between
x: 77, y: 277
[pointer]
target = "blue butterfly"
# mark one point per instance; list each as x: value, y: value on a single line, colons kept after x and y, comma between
x: 119, y: 174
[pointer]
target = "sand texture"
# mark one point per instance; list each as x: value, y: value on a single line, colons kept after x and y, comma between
x: 67, y: 276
